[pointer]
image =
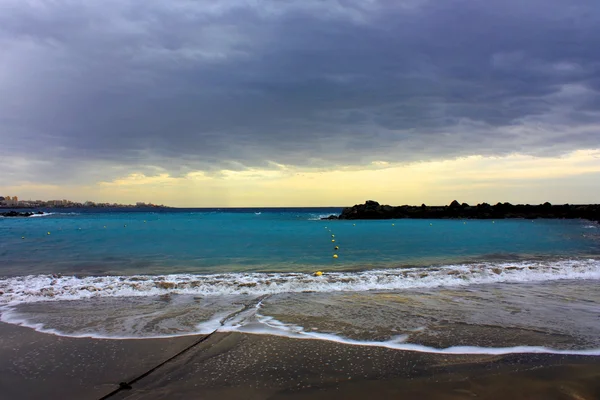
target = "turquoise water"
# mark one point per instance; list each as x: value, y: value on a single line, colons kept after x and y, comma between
x: 427, y: 285
x: 292, y: 240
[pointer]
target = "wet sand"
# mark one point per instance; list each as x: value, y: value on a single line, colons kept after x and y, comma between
x: 42, y: 366
x: 241, y: 366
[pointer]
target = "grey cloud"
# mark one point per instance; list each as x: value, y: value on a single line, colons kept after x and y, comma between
x: 100, y: 89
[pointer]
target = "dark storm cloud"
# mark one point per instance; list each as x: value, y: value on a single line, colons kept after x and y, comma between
x: 97, y: 89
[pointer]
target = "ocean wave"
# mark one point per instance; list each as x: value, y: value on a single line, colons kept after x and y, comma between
x: 318, y: 217
x: 42, y: 215
x: 34, y: 288
x: 47, y: 214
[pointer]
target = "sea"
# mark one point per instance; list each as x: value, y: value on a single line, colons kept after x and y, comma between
x: 438, y: 286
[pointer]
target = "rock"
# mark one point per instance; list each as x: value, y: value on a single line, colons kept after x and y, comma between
x: 373, y: 210
x: 248, y: 284
x: 20, y: 214
x: 371, y: 204
x: 49, y: 292
x: 166, y: 285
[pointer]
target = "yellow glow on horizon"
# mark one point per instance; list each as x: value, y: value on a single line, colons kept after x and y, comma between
x: 515, y: 178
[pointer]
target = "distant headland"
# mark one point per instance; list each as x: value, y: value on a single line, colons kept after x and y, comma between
x: 373, y: 210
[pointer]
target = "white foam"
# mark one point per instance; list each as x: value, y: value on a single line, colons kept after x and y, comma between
x: 208, y: 327
x: 45, y: 214
x: 9, y: 316
x: 34, y: 288
x: 252, y: 322
x: 266, y: 325
x: 319, y: 217
x: 426, y: 349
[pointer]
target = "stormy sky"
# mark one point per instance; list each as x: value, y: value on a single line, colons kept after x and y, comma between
x: 121, y: 92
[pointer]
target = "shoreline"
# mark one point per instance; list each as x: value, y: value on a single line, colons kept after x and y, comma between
x: 236, y: 365
x: 310, y: 336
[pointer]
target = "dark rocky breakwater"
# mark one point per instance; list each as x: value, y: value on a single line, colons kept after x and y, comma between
x: 373, y: 210
x: 20, y: 214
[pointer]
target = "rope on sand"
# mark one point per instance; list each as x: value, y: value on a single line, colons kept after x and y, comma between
x: 127, y: 385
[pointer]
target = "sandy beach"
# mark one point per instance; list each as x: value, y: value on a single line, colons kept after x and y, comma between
x: 300, y: 199
x: 241, y: 366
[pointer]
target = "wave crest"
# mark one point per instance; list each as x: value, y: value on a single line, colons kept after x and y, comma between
x: 34, y: 288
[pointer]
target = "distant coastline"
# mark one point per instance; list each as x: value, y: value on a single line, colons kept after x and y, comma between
x: 9, y: 202
x: 373, y: 210
x: 27, y: 211
x: 79, y: 205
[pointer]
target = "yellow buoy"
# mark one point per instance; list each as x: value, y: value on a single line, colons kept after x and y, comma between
x: 48, y: 233
x: 333, y: 240
x: 393, y: 225
x: 318, y: 273
x: 332, y: 235
x: 353, y: 224
x: 22, y: 237
x: 336, y: 248
x: 335, y: 256
x: 430, y: 224
x: 144, y: 221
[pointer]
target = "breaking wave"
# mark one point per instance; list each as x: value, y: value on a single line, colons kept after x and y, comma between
x: 34, y: 288
x: 318, y: 217
x: 42, y: 215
